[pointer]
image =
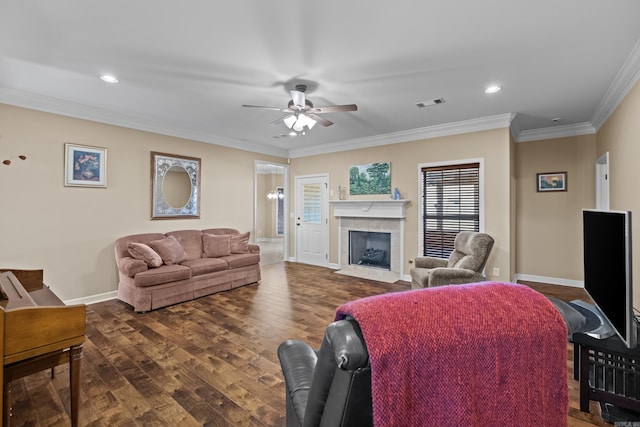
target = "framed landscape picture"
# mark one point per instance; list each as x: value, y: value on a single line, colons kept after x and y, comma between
x: 552, y: 181
x: 85, y: 166
x: 373, y: 178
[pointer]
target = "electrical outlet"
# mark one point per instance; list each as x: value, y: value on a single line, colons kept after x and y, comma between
x: 496, y: 271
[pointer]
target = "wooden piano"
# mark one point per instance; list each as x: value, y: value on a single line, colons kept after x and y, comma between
x: 37, y: 332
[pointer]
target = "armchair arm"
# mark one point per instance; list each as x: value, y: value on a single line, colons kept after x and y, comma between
x: 298, y: 361
x: 429, y: 262
x: 450, y: 276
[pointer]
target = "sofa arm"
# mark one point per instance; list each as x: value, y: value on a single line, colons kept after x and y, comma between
x: 429, y: 262
x: 451, y: 276
x: 254, y: 249
x: 130, y: 266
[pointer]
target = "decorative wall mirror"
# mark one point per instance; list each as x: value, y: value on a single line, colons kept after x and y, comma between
x: 175, y: 186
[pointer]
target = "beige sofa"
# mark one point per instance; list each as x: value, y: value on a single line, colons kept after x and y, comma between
x: 156, y: 270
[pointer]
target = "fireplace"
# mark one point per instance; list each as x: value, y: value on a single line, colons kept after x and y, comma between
x: 370, y: 249
x: 371, y: 238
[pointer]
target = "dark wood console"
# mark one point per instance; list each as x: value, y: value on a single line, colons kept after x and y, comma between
x: 609, y: 372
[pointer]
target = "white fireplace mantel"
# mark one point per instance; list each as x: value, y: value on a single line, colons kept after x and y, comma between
x: 369, y: 208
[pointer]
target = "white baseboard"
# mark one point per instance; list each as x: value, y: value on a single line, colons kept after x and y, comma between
x: 93, y: 298
x: 550, y: 280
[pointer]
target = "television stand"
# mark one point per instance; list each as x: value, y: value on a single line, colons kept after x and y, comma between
x: 609, y: 373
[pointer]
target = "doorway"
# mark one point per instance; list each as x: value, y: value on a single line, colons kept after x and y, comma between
x: 602, y: 182
x: 270, y: 219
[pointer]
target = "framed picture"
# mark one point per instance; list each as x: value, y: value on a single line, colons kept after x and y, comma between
x: 373, y: 178
x: 552, y: 181
x: 85, y: 166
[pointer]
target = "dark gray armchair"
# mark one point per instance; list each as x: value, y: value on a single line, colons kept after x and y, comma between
x: 465, y: 264
x: 330, y: 387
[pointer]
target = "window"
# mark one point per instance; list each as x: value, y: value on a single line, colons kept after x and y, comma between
x: 450, y: 204
x: 312, y: 211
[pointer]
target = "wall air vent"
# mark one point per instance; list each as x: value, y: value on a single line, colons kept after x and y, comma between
x: 430, y: 102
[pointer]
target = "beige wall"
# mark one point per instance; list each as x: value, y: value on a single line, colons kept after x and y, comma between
x: 620, y: 136
x: 69, y: 231
x: 491, y: 146
x: 549, y: 225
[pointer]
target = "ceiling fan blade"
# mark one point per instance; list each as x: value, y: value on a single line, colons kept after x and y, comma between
x: 265, y: 108
x: 277, y: 121
x: 298, y: 98
x: 335, y: 108
x: 321, y: 120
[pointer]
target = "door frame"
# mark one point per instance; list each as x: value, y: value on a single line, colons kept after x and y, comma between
x: 286, y: 202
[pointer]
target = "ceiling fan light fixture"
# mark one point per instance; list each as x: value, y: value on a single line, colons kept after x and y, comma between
x: 289, y: 121
x: 305, y: 120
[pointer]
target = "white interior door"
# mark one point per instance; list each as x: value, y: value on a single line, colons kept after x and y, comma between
x: 602, y: 182
x: 311, y: 219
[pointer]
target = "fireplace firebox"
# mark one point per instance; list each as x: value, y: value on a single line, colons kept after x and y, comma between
x: 370, y: 249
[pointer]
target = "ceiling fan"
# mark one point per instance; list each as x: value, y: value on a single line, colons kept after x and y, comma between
x: 302, y: 114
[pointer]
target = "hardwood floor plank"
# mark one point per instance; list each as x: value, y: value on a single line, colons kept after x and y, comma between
x: 211, y: 361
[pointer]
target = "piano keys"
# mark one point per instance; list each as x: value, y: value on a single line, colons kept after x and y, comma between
x: 37, y: 332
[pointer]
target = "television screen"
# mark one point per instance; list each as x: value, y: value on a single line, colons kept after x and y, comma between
x: 607, y: 269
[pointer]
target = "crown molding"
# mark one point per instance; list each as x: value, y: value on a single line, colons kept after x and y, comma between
x: 624, y: 81
x: 77, y: 110
x: 454, y: 128
x: 563, y: 131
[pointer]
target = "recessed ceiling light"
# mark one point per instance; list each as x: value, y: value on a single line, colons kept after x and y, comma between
x: 493, y: 89
x: 109, y: 78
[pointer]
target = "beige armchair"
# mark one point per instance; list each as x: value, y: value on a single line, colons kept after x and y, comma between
x: 465, y: 264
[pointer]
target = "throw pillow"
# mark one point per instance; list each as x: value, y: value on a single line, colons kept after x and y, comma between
x: 169, y: 249
x: 240, y: 243
x: 144, y: 253
x: 214, y: 246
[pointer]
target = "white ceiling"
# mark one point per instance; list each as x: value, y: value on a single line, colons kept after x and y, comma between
x: 186, y: 68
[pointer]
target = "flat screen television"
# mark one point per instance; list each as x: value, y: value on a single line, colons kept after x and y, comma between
x: 607, y: 271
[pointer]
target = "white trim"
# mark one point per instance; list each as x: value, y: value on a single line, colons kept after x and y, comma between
x: 550, y: 280
x: 420, y: 200
x: 624, y: 81
x: 370, y: 208
x: 445, y: 129
x: 555, y: 132
x: 92, y: 299
x: 67, y: 108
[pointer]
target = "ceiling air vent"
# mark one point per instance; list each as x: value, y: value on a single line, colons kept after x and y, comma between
x: 430, y: 103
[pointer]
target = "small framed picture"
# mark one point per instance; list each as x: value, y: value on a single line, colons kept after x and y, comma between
x: 551, y: 181
x: 85, y: 166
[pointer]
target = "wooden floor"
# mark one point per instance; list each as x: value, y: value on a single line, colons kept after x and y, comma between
x: 211, y: 361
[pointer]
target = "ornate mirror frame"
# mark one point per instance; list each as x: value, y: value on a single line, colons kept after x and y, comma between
x: 160, y: 165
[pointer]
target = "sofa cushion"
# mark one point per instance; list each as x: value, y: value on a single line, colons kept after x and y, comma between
x: 221, y: 231
x: 162, y: 274
x: 202, y: 266
x: 242, y: 260
x: 169, y: 249
x: 191, y: 241
x: 216, y: 246
x: 144, y: 253
x: 240, y: 243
